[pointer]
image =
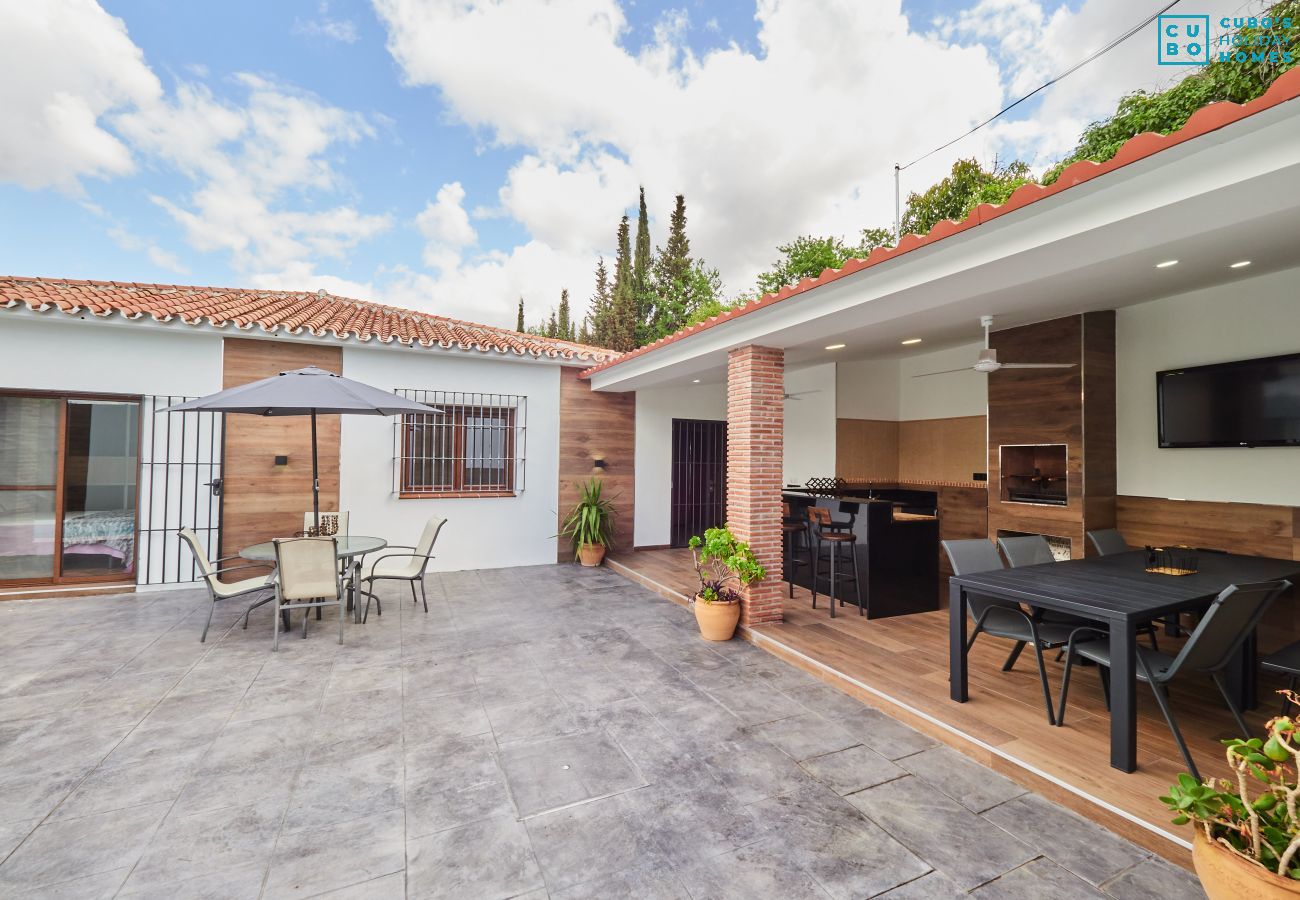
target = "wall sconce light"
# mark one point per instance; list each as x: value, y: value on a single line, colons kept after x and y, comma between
x: 598, y: 463
x: 282, y: 460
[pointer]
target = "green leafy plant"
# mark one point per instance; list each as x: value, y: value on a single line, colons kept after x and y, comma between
x: 592, y: 519
x: 724, y: 565
x: 1262, y: 826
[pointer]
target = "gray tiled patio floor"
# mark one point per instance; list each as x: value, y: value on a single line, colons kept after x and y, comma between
x: 550, y: 731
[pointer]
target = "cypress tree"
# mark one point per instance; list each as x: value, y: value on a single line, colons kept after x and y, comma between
x: 675, y: 258
x: 551, y: 328
x: 623, y: 311
x: 519, y: 319
x: 563, y: 326
x: 600, y: 307
x: 642, y: 288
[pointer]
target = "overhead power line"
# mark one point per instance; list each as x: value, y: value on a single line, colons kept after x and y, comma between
x: 1096, y: 54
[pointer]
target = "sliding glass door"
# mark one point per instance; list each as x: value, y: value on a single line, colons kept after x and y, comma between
x: 68, y: 470
x: 29, y: 496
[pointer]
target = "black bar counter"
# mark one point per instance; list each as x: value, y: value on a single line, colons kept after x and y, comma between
x: 897, y: 548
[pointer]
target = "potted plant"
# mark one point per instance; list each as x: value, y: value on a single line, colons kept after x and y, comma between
x: 1247, y: 834
x: 590, y: 525
x: 724, y: 565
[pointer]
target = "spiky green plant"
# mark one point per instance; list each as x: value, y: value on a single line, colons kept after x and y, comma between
x: 1263, y: 828
x: 592, y: 519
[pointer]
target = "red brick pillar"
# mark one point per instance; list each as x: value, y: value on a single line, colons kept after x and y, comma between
x: 755, y: 420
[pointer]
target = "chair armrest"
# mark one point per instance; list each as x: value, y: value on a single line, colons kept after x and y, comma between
x: 399, y: 546
x: 217, y: 572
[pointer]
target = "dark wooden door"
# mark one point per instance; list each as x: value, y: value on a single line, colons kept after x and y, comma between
x: 699, y: 492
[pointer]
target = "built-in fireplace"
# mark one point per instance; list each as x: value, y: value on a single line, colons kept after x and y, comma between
x: 1033, y: 473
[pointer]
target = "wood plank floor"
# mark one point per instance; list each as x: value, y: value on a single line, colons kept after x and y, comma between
x: 1004, y: 723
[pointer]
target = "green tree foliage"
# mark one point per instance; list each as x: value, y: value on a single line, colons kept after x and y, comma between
x: 680, y: 285
x: 967, y: 185
x: 563, y: 322
x: 1256, y: 58
x: 623, y: 311
x: 642, y: 289
x: 602, y: 301
x: 808, y: 256
x: 519, y: 319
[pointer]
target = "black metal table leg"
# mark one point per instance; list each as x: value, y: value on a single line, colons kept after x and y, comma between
x: 1123, y: 695
x: 957, y: 643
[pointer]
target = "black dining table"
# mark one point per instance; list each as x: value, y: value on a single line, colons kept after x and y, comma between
x: 1117, y: 590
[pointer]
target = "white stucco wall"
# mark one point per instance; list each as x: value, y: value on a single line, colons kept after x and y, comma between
x: 1254, y: 317
x: 655, y: 410
x: 867, y: 389
x: 809, y: 436
x: 54, y: 352
x: 942, y: 396
x: 888, y: 389
x: 480, y: 532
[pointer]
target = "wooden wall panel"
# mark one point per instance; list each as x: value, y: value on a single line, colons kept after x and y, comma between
x: 597, y: 425
x: 941, y: 449
x: 262, y: 500
x: 1074, y: 406
x: 866, y: 449
x: 1253, y: 529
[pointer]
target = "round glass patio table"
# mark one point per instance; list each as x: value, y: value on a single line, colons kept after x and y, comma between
x: 351, y: 548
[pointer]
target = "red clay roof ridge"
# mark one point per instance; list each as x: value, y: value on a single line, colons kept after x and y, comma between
x: 293, y: 312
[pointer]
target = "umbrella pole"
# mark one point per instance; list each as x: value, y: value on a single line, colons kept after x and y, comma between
x: 315, y: 476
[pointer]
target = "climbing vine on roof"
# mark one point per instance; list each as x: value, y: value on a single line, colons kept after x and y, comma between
x: 1255, y: 58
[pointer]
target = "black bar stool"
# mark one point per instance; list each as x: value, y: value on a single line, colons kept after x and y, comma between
x: 833, y: 536
x: 794, y: 537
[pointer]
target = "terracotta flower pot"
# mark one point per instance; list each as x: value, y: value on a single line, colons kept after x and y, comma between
x: 591, y: 554
x: 1226, y: 876
x: 718, y: 619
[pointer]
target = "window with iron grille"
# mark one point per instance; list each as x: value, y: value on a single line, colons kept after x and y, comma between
x: 473, y: 447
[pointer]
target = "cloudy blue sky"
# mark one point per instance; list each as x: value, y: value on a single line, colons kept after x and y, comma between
x: 453, y: 156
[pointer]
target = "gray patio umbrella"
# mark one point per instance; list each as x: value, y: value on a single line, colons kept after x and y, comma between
x: 305, y: 392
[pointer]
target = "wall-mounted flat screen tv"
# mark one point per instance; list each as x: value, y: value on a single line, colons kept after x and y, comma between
x: 1250, y: 403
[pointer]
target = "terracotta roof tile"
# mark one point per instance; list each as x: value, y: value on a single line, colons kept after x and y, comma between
x: 320, y: 314
x: 1204, y: 120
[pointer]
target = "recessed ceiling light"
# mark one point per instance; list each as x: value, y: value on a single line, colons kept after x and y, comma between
x: 911, y: 341
x: 834, y: 346
x: 1240, y: 265
x: 695, y: 381
x: 1166, y: 264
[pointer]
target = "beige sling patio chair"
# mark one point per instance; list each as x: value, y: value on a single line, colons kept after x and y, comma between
x: 308, y: 578
x: 409, y: 566
x: 218, y: 590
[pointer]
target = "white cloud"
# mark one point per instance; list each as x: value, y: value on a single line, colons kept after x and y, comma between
x: 131, y: 242
x: 1033, y: 46
x: 249, y: 162
x: 341, y: 30
x: 64, y: 64
x: 800, y: 135
x: 446, y: 228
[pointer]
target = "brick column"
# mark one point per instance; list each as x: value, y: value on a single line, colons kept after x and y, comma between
x: 755, y: 422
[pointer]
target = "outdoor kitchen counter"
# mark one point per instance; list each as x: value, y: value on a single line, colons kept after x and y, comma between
x: 897, y: 550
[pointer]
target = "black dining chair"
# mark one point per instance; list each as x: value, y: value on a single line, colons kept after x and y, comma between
x: 1108, y: 541
x: 1224, y: 627
x: 1001, y: 619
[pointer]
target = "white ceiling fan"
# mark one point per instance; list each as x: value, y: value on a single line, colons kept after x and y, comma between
x: 797, y: 394
x: 988, y: 359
